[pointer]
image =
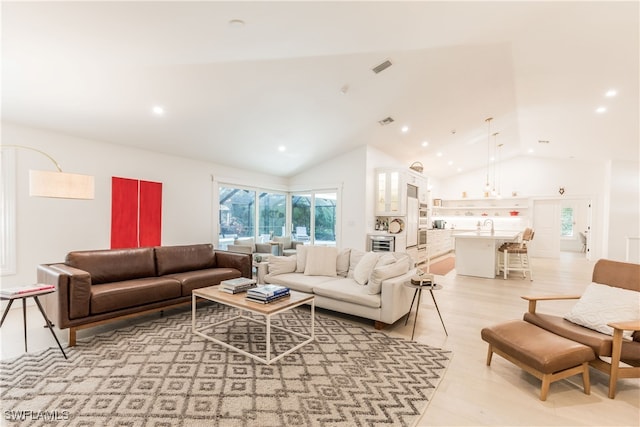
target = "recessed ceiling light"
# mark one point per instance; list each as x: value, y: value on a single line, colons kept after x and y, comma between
x: 450, y: 162
x: 601, y: 109
x: 158, y: 110
x: 425, y: 143
x: 610, y: 93
x: 282, y: 148
x: 236, y: 23
x: 439, y: 154
x: 405, y: 129
x: 530, y: 150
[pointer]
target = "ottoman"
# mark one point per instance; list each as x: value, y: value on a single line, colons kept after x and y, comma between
x: 541, y: 353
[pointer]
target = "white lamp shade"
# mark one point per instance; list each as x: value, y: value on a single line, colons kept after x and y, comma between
x: 61, y: 185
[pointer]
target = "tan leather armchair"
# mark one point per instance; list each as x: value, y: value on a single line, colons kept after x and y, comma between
x: 612, y: 273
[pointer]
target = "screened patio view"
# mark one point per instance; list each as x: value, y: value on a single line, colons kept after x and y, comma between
x: 263, y: 215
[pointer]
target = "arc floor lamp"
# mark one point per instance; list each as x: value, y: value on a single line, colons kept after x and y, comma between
x: 57, y: 184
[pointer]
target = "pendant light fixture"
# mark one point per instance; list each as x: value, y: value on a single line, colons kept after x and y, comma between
x: 495, y: 162
x: 487, y: 185
x: 499, y: 179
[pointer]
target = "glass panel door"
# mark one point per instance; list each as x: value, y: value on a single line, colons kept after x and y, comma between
x: 301, y: 217
x: 272, y: 216
x: 325, y: 219
x: 237, y: 215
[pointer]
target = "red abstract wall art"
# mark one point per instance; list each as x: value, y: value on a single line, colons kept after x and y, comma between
x: 136, y: 213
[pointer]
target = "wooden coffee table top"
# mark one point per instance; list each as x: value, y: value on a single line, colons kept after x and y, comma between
x: 214, y: 293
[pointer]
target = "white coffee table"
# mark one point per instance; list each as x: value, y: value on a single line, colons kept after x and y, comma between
x: 213, y: 293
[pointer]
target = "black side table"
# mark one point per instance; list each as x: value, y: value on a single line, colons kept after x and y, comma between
x: 420, y: 284
x: 35, y: 296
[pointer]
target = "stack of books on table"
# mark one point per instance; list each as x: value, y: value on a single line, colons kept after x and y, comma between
x: 267, y: 293
x: 25, y: 290
x: 235, y: 286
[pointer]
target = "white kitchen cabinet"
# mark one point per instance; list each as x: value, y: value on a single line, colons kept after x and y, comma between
x: 439, y: 242
x: 423, y: 190
x: 417, y: 255
x: 391, y: 192
x: 401, y: 242
x: 422, y: 183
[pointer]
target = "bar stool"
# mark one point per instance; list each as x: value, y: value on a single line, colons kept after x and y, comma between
x: 516, y: 255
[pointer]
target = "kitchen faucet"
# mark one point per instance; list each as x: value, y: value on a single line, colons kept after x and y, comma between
x: 491, y: 222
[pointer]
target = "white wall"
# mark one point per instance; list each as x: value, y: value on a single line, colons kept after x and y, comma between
x: 612, y: 187
x: 49, y: 228
x: 355, y: 173
x: 347, y: 173
x: 623, y: 208
x: 531, y: 177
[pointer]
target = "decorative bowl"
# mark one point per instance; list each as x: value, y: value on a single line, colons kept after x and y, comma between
x: 514, y: 213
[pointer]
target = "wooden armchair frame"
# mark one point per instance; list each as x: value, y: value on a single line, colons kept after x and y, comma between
x: 613, y: 369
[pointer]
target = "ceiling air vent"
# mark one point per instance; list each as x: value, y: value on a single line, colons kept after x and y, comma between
x: 381, y: 67
x: 386, y: 121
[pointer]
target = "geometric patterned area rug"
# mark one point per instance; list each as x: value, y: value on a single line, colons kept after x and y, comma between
x: 158, y: 373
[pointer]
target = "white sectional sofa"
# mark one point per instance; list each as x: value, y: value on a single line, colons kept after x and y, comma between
x: 363, y: 284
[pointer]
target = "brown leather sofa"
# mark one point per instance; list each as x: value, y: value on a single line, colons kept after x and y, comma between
x: 99, y: 286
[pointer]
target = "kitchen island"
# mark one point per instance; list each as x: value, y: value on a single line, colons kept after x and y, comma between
x: 476, y: 251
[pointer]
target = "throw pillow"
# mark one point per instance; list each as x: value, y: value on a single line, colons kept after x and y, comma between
x: 285, y: 240
x: 364, y: 268
x: 282, y: 264
x: 342, y: 262
x: 387, y: 271
x: 301, y: 254
x: 354, y: 258
x: 321, y: 261
x: 602, y: 304
x: 386, y: 259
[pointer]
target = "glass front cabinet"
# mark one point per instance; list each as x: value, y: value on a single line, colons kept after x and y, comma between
x: 390, y: 192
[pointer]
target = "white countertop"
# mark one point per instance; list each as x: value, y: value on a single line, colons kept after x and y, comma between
x: 484, y: 234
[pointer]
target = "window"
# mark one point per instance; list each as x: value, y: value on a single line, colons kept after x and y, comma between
x: 321, y: 207
x: 272, y: 219
x: 238, y: 209
x: 567, y: 222
x: 247, y: 212
x: 325, y: 219
x: 301, y: 216
x: 237, y: 214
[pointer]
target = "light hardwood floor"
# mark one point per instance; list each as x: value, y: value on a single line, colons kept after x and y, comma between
x: 471, y: 394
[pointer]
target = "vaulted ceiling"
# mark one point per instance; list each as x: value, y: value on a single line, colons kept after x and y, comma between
x: 297, y: 77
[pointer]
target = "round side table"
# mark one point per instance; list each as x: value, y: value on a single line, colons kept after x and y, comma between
x: 420, y: 284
